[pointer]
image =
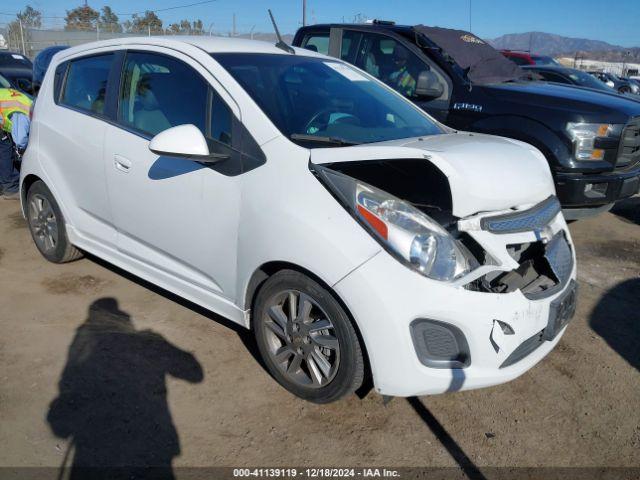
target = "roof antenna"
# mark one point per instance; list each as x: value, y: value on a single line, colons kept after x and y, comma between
x: 280, y: 43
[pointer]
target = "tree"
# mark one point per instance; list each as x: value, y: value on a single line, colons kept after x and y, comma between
x: 18, y: 34
x: 81, y: 18
x: 109, y: 21
x: 185, y: 27
x: 149, y: 22
x: 30, y: 17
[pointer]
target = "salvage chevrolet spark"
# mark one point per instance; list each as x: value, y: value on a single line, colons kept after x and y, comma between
x: 302, y: 198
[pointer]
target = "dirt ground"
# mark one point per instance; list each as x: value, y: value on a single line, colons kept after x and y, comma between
x: 131, y: 372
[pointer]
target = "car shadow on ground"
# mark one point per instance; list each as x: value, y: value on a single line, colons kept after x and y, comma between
x: 628, y: 210
x: 245, y: 335
x: 616, y: 318
x: 112, y: 402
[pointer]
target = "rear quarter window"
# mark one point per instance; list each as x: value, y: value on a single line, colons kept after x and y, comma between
x: 317, y: 42
x: 519, y: 60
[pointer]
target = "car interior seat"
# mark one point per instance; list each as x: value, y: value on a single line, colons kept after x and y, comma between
x: 152, y: 92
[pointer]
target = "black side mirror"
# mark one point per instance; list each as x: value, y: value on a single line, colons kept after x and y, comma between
x: 428, y: 85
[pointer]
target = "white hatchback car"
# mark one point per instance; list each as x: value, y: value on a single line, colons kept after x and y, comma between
x: 298, y: 196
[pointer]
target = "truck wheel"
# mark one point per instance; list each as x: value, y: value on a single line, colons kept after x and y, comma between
x: 47, y: 226
x: 306, y: 338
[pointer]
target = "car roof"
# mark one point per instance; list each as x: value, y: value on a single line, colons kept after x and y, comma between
x: 209, y: 44
x: 9, y: 52
x: 558, y: 68
x: 517, y: 53
x: 373, y: 26
x: 12, y: 56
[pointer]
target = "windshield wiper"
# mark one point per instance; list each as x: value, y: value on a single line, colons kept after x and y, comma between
x: 318, y: 139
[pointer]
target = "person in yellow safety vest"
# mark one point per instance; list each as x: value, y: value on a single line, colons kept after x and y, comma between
x: 14, y: 126
x: 400, y: 79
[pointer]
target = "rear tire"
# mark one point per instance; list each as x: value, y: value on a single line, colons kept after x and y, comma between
x: 312, y: 348
x: 47, y: 225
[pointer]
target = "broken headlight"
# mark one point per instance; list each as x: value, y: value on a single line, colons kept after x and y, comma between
x: 406, y: 232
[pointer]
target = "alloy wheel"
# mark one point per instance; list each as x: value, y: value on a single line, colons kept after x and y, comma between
x: 301, y: 339
x: 43, y: 223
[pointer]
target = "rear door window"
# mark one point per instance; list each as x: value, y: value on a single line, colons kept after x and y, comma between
x: 390, y: 61
x: 519, y: 60
x: 317, y: 42
x: 159, y: 92
x: 349, y: 47
x: 85, y: 87
x: 553, y: 77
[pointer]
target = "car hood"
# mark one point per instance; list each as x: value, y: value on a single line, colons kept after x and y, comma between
x: 567, y: 97
x: 485, y: 173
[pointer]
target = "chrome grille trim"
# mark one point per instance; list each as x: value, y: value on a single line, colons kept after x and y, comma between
x: 535, y: 218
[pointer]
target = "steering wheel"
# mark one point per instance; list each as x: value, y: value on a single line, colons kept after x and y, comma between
x: 317, y: 123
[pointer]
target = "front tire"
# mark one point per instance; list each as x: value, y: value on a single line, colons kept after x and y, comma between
x: 47, y: 225
x: 306, y: 339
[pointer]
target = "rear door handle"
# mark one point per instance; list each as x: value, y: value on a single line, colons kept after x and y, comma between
x: 121, y: 163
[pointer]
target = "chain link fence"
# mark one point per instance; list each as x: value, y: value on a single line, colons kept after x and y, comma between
x: 31, y: 41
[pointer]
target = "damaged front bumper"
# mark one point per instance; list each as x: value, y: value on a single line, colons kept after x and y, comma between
x: 489, y: 327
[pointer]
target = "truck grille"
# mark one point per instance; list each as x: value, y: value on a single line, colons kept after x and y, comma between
x: 629, y: 151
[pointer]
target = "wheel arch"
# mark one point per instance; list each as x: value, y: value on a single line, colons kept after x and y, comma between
x: 266, y: 270
x: 27, y: 182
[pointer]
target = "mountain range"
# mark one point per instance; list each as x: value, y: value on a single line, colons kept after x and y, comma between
x: 551, y: 44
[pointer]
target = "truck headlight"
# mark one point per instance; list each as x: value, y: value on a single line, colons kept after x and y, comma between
x: 406, y: 232
x: 584, y: 136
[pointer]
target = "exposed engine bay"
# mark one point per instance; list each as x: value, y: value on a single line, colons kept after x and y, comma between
x: 544, y: 265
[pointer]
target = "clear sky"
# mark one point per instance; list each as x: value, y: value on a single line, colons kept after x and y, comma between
x: 614, y: 21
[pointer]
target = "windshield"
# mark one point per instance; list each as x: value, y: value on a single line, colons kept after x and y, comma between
x: 543, y: 60
x: 585, y: 80
x: 319, y: 102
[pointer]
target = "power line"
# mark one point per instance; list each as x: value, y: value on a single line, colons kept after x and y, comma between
x: 168, y: 8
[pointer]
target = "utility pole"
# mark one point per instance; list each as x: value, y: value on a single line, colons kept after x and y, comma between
x: 470, y: 16
x: 234, y: 25
x: 304, y: 13
x: 24, y: 50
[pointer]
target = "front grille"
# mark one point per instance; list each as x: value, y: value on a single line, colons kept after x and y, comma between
x: 544, y: 269
x: 558, y: 254
x: 629, y: 150
x: 535, y: 218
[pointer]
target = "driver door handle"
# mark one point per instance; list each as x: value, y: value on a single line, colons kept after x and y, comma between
x: 121, y: 163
